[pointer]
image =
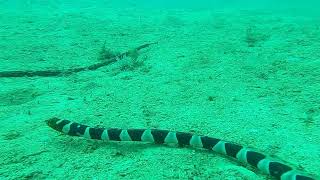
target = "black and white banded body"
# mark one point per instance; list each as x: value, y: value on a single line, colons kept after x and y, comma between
x: 262, y: 162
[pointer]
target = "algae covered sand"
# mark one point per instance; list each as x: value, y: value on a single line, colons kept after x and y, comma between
x: 247, y: 76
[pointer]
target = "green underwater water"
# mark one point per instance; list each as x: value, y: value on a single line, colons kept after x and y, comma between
x: 247, y: 72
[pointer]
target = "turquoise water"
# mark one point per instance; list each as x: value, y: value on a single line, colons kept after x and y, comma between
x: 241, y: 71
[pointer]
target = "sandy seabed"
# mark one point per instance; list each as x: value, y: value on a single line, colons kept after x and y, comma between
x: 249, y: 77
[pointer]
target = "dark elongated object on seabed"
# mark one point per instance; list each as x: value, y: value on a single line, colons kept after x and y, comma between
x: 52, y: 73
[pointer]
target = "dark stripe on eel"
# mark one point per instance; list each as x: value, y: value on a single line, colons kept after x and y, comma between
x: 208, y: 142
x: 77, y: 129
x: 183, y: 138
x: 298, y: 177
x: 53, y: 123
x: 253, y: 158
x: 114, y: 134
x: 135, y: 134
x: 277, y: 169
x: 95, y: 133
x: 273, y: 168
x: 159, y: 135
x: 232, y: 149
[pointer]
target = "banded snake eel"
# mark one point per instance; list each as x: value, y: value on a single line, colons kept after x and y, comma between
x: 258, y: 160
